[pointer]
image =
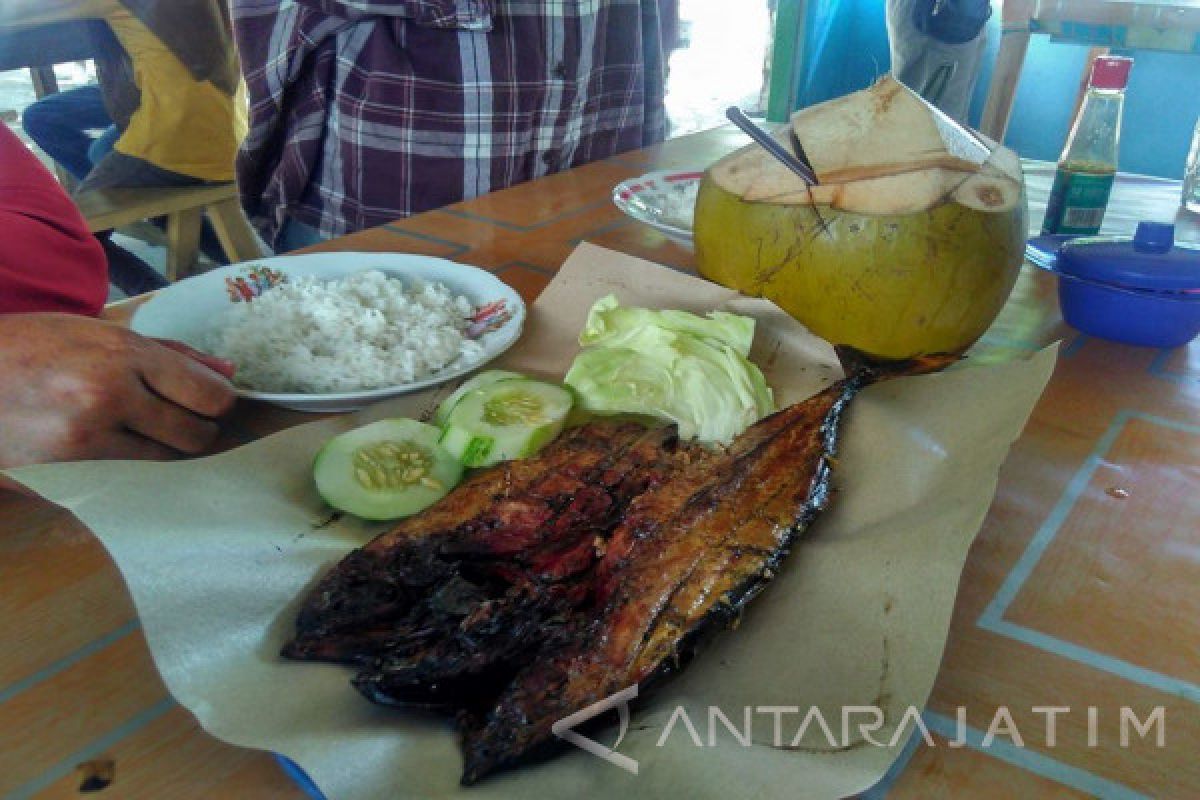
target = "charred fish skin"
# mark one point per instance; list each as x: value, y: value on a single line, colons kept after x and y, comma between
x: 530, y: 601
x: 746, y: 585
x: 381, y: 608
x: 639, y: 640
x: 541, y: 586
x: 357, y: 607
x: 471, y: 664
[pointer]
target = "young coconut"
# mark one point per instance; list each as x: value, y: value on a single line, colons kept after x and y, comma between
x: 910, y: 243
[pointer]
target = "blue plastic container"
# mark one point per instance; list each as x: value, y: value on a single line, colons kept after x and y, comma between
x: 300, y: 777
x: 1141, y: 290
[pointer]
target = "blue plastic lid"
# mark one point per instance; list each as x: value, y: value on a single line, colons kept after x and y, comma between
x: 1150, y: 260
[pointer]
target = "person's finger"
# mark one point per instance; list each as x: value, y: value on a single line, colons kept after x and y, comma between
x: 186, y: 383
x: 165, y: 422
x: 130, y: 445
x: 222, y: 365
x: 7, y: 484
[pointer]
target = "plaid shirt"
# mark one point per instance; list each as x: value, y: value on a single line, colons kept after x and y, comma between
x: 366, y: 111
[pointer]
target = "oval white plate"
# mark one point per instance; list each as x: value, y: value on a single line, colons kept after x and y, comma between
x: 188, y: 309
x: 647, y: 197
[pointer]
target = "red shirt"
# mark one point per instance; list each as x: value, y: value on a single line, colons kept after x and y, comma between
x: 48, y: 260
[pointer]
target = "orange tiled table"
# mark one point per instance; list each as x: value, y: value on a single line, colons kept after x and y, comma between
x: 1082, y: 590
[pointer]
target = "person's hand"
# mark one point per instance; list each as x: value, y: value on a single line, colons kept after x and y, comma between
x: 221, y: 365
x: 78, y: 388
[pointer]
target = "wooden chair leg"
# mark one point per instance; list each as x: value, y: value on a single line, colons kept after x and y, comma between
x: 183, y: 242
x: 1014, y: 42
x: 44, y: 81
x: 1009, y: 60
x: 237, y: 238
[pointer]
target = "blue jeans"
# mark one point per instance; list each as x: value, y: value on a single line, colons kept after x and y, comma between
x: 103, y: 144
x: 74, y: 129
x: 65, y: 126
x: 296, y: 234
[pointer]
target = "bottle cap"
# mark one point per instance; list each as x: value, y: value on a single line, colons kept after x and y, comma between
x: 1110, y: 72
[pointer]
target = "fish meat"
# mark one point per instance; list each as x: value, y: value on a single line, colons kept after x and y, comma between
x: 541, y: 586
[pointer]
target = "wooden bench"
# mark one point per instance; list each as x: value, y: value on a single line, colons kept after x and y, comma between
x: 184, y: 209
x: 38, y: 50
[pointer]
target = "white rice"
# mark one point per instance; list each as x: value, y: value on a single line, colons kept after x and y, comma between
x: 679, y: 203
x: 366, y: 331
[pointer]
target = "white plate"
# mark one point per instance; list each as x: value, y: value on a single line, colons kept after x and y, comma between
x: 653, y: 199
x: 187, y: 310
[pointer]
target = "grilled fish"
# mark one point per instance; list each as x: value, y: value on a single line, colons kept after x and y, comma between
x: 539, y: 587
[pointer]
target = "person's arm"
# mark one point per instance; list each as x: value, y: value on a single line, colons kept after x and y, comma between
x: 48, y: 259
x: 79, y: 388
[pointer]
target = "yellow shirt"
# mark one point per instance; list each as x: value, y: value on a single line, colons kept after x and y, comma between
x: 181, y: 124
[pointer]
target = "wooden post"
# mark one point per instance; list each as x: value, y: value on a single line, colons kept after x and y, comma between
x: 787, y: 59
x: 44, y: 81
x: 1014, y: 42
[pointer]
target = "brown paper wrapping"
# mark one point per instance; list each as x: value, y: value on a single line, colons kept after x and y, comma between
x: 217, y: 552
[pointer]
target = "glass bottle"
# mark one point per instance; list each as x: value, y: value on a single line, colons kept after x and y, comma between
x: 1088, y: 164
x: 1191, y: 174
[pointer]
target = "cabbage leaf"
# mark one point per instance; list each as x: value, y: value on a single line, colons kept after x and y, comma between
x: 671, y: 365
x: 608, y: 324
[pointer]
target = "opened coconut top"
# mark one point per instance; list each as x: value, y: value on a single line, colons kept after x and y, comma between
x: 880, y: 150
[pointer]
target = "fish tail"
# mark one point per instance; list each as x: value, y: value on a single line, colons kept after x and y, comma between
x: 865, y: 369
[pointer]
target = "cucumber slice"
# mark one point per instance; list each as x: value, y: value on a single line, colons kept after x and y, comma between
x: 388, y: 469
x: 476, y: 381
x: 505, y: 420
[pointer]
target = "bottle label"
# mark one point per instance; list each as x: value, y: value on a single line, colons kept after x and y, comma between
x: 1077, y: 202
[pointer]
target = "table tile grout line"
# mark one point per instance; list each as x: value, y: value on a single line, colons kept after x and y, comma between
x: 1032, y: 761
x: 458, y: 248
x: 1158, y: 369
x: 1074, y: 346
x: 608, y: 227
x: 544, y: 222
x: 549, y: 273
x: 992, y: 618
x: 1095, y: 659
x: 68, y: 661
x: 1048, y: 530
x: 93, y: 749
x: 1014, y: 581
x: 632, y: 163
